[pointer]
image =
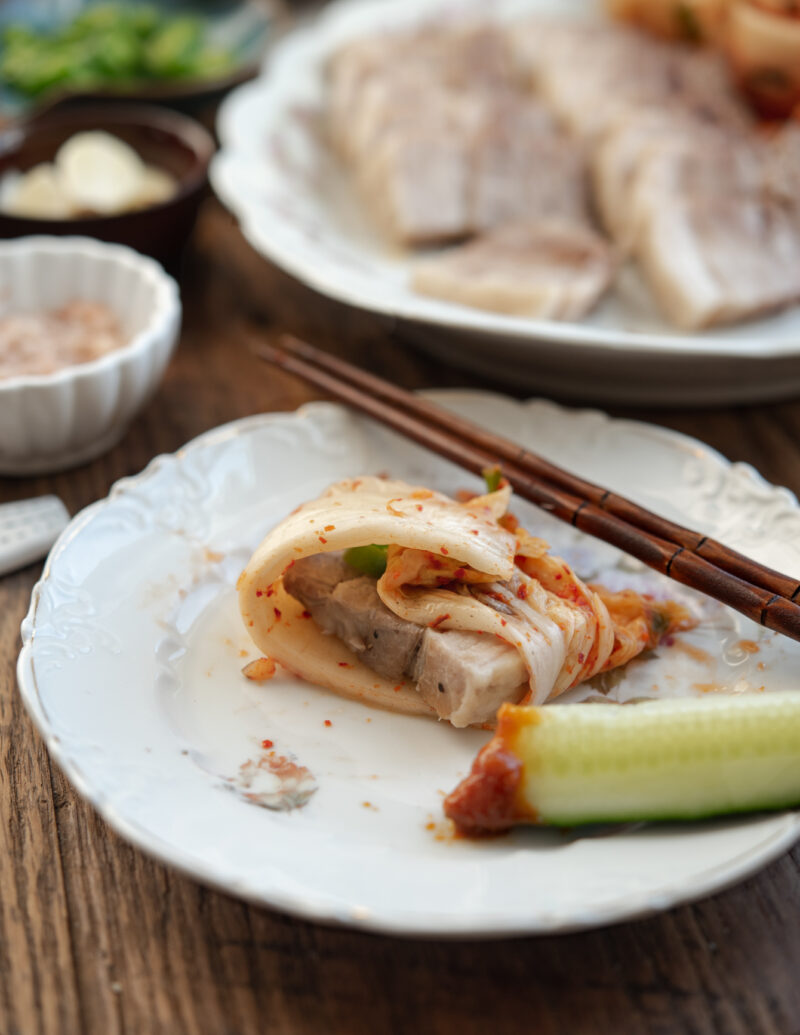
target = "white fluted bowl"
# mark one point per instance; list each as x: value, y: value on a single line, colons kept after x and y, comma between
x: 49, y: 422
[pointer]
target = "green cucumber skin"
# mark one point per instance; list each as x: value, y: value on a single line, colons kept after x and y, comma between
x: 667, y: 817
x: 662, y: 760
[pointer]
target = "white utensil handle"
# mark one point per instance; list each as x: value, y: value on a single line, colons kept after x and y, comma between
x: 28, y: 529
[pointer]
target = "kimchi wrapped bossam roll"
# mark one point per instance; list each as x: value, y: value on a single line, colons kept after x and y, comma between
x: 402, y: 597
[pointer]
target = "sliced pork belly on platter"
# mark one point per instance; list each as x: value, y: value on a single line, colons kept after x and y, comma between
x: 506, y: 141
x: 415, y: 209
x: 523, y: 168
x: 716, y: 242
x: 621, y: 69
x: 378, y: 77
x: 587, y: 73
x: 468, y: 162
x: 444, y: 139
x: 621, y: 155
x: 547, y: 269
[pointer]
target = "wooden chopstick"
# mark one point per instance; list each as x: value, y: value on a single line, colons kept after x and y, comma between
x: 503, y: 449
x: 763, y: 595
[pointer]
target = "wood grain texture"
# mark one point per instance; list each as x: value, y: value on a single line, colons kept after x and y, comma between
x: 97, y: 939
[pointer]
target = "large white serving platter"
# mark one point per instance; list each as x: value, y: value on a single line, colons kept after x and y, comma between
x: 297, y: 207
x: 133, y: 646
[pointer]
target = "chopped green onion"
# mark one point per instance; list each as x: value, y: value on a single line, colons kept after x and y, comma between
x: 493, y: 476
x: 367, y: 560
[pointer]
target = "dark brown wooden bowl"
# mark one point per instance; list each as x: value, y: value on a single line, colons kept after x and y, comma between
x: 161, y: 137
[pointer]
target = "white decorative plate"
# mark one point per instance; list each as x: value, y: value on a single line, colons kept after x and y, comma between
x: 297, y: 207
x: 133, y: 646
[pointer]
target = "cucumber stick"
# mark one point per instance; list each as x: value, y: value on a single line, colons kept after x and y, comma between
x: 656, y: 760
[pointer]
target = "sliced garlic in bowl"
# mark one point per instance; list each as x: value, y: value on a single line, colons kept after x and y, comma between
x: 132, y: 175
x: 93, y: 172
x: 99, y: 172
x: 156, y: 185
x: 35, y: 193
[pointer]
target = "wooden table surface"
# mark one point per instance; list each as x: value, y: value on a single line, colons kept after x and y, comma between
x: 96, y: 939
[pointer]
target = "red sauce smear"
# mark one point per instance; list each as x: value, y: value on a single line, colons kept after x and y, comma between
x: 438, y: 621
x: 486, y: 800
